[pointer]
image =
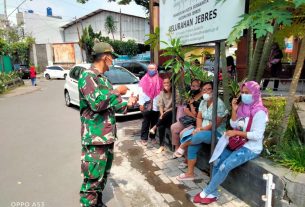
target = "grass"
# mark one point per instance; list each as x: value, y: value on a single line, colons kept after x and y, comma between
x: 291, y: 155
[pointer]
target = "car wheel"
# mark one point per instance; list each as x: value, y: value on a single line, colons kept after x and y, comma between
x: 65, y: 76
x: 67, y: 98
x: 47, y: 76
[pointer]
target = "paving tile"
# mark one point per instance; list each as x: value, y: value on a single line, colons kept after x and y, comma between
x: 158, y: 172
x: 201, y: 184
x: 174, y: 173
x: 168, y: 197
x: 165, y: 179
x: 149, y: 153
x: 229, y: 204
x: 161, y: 165
x: 193, y: 192
x: 190, y: 184
x: 238, y: 203
x: 225, y: 196
x: 174, y: 180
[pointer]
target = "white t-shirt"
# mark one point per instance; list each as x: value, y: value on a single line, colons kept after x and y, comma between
x: 144, y: 98
x: 256, y: 134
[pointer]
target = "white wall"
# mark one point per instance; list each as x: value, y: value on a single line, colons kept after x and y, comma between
x: 132, y: 27
x: 44, y: 29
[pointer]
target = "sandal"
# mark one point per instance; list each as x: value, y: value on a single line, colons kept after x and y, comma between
x: 160, y: 150
x: 183, y: 177
x: 144, y: 142
x: 179, y: 152
x: 154, y: 141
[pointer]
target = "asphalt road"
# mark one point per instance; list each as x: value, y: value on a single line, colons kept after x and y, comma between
x: 40, y: 150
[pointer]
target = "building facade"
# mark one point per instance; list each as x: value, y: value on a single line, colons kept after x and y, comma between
x: 129, y: 27
x: 45, y: 29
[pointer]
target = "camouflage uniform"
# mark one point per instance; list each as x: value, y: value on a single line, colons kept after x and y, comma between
x: 98, y: 104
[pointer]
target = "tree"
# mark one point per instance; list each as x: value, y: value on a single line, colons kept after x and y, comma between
x: 269, y: 21
x: 17, y: 47
x: 87, y: 41
x: 144, y: 3
x: 110, y: 25
x: 88, y: 38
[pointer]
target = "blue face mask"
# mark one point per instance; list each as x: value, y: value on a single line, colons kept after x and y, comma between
x: 152, y: 73
x: 247, y: 99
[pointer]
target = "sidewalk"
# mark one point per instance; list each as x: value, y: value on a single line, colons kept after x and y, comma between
x: 149, y: 179
x: 22, y: 90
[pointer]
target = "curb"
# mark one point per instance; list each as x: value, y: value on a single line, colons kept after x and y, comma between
x: 13, y: 93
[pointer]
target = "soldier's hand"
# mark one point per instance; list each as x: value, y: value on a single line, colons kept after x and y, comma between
x: 141, y: 108
x: 122, y: 89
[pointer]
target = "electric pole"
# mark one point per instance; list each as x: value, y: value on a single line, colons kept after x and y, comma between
x: 120, y: 25
x: 5, y: 13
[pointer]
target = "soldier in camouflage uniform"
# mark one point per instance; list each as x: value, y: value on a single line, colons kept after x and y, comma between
x: 98, y: 104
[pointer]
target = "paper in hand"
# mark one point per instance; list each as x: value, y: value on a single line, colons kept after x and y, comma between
x: 221, y: 145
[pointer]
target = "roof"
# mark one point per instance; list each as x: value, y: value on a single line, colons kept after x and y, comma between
x: 94, y: 13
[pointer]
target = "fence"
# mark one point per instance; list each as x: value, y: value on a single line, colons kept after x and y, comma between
x: 5, y: 64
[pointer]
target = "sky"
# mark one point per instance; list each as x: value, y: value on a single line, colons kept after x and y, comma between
x: 68, y: 9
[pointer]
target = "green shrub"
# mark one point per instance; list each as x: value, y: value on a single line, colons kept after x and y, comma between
x: 291, y: 155
x: 276, y: 109
x: 5, y: 78
x: 290, y: 152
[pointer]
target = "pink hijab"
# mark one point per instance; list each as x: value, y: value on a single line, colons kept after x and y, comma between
x: 257, y: 105
x: 151, y: 86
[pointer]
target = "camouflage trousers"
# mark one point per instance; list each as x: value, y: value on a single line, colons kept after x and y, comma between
x: 96, y: 163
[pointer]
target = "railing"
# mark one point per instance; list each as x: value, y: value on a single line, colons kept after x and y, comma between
x: 284, y: 84
x: 14, y: 83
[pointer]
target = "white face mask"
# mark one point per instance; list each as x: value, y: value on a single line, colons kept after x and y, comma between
x: 206, y: 97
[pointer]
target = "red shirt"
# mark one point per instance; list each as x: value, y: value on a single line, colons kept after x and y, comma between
x: 32, y: 72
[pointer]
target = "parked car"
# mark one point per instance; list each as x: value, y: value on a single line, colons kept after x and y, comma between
x: 116, y: 75
x: 24, y: 69
x: 138, y: 68
x: 55, y: 71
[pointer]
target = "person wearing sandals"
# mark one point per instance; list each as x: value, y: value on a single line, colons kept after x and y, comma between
x: 151, y: 86
x: 191, y: 110
x: 250, y: 110
x: 165, y: 107
x: 202, y: 133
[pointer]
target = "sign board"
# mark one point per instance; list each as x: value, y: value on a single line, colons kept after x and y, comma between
x: 64, y: 53
x: 198, y: 21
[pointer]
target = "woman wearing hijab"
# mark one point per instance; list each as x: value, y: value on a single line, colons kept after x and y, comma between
x: 250, y: 111
x: 151, y: 85
x: 33, y: 75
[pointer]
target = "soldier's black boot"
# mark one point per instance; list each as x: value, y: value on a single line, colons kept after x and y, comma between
x: 100, y: 200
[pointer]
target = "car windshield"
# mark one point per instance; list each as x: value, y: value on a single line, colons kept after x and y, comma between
x: 118, y: 75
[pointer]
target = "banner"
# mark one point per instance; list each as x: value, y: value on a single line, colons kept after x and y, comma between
x: 198, y: 21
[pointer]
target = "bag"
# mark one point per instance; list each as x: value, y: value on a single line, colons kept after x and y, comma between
x: 236, y: 142
x: 187, y: 121
x: 186, y: 134
x: 180, y: 112
x: 148, y: 106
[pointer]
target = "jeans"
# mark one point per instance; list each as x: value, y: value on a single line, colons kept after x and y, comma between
x: 164, y: 123
x: 33, y: 81
x: 227, y: 161
x: 196, y: 141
